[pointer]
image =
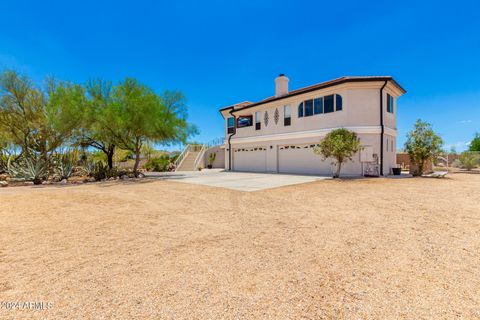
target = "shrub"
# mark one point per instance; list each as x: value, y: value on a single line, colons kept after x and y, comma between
x: 99, y: 170
x: 162, y: 163
x: 469, y: 160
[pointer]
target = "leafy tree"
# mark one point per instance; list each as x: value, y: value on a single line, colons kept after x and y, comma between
x: 422, y: 144
x: 97, y: 129
x: 340, y: 145
x: 475, y: 144
x: 139, y: 116
x: 469, y: 159
x: 31, y: 116
x: 148, y: 150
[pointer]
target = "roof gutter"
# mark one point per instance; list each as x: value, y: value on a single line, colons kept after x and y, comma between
x: 230, y: 137
x: 382, y: 126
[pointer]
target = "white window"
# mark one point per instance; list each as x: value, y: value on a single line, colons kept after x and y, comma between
x: 258, y: 120
x: 287, y: 115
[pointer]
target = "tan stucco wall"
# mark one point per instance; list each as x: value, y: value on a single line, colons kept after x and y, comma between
x: 219, y: 159
x: 361, y: 107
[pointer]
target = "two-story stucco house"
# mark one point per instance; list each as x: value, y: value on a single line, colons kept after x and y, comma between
x: 278, y: 134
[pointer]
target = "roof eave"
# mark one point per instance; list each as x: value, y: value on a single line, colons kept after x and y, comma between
x: 319, y: 87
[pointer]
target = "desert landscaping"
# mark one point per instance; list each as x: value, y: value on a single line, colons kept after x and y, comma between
x: 333, y: 249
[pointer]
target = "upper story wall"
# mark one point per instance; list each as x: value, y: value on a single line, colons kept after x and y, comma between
x: 360, y: 107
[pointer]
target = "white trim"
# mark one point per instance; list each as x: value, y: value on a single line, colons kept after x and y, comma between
x: 312, y: 134
x: 390, y: 132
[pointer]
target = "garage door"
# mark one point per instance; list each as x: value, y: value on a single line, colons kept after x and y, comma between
x: 302, y: 160
x: 250, y: 159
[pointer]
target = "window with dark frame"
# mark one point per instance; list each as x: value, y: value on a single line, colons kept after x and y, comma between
x: 390, y: 103
x: 308, y: 108
x: 287, y: 115
x: 325, y: 104
x: 230, y: 125
x: 338, y: 102
x: 244, y: 121
x: 318, y: 105
x: 328, y: 104
x: 258, y: 120
x: 300, y: 110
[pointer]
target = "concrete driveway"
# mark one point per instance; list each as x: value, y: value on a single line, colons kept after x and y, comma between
x: 242, y: 181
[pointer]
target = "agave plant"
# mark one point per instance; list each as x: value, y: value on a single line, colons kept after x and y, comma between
x: 28, y: 169
x: 88, y: 167
x: 3, y: 162
x: 65, y: 165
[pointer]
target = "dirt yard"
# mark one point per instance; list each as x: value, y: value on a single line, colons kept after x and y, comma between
x: 352, y: 249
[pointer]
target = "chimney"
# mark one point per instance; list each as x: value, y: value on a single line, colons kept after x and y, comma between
x: 281, y: 85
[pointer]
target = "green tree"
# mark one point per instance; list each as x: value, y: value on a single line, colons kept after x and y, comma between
x: 148, y: 150
x: 31, y: 116
x: 475, y: 144
x: 340, y: 145
x: 140, y: 116
x: 422, y: 144
x: 96, y: 130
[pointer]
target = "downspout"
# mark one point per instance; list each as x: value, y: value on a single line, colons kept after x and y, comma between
x: 229, y: 138
x: 382, y: 127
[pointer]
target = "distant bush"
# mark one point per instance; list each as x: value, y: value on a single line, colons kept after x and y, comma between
x: 469, y: 159
x: 162, y: 163
x: 456, y: 163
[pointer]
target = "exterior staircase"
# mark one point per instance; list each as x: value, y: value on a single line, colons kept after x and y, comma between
x: 190, y: 159
x: 188, y: 163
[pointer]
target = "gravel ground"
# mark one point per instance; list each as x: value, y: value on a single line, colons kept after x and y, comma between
x: 351, y: 249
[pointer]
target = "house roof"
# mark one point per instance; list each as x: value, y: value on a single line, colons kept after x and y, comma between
x: 318, y: 86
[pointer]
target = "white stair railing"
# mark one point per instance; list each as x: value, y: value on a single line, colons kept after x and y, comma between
x: 199, y: 157
x: 182, y: 157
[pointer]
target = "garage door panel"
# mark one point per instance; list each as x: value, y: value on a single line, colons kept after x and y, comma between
x: 250, y: 159
x: 301, y: 159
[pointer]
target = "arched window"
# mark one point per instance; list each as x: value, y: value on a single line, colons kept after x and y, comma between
x: 300, y: 110
x: 338, y: 102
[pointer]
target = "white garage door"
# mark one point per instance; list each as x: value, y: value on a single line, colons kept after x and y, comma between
x: 301, y: 159
x: 250, y: 159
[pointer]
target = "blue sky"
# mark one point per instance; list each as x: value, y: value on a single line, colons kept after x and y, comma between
x: 222, y: 52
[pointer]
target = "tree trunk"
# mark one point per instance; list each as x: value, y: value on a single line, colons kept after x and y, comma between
x: 137, y: 162
x: 339, y: 167
x: 110, y: 152
x: 138, y: 148
x: 420, y: 168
